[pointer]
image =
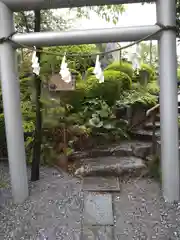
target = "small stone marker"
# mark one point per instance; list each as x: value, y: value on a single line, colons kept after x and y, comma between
x: 98, y: 209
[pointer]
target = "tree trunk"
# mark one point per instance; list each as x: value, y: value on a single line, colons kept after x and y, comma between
x: 150, y: 52
x: 38, y: 129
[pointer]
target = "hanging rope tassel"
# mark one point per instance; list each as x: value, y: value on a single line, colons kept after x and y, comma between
x: 135, y: 57
x: 64, y: 71
x: 35, y: 63
x: 98, y: 70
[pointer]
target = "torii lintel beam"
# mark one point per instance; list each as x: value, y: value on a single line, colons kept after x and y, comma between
x: 25, y: 5
x: 86, y: 36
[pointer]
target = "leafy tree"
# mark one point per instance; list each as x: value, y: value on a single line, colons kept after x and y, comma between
x: 50, y: 63
x: 178, y: 16
x: 149, y: 54
x: 110, y: 13
x: 24, y: 21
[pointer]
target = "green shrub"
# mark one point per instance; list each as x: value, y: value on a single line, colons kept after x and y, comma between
x: 122, y: 67
x: 178, y: 74
x: 122, y: 78
x: 114, y: 83
x: 153, y: 87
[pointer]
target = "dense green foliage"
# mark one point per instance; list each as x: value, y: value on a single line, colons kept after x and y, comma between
x: 140, y: 96
x: 114, y: 83
x: 84, y: 117
x: 99, y: 116
x: 74, y: 118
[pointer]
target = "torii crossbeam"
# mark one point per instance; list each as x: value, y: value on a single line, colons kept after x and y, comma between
x: 166, y: 15
x: 24, y: 5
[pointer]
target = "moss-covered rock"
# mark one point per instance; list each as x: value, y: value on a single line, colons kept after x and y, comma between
x: 89, y: 72
x: 149, y: 70
x: 123, y: 67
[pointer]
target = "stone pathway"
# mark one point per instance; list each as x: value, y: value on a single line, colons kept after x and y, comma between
x: 65, y: 208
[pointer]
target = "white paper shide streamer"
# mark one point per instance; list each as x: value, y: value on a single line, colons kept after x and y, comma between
x: 98, y: 71
x: 64, y: 71
x: 35, y: 63
x: 135, y: 57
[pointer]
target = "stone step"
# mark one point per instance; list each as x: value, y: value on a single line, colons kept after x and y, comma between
x: 126, y: 148
x: 149, y: 125
x: 111, y: 166
x: 144, y: 135
x: 158, y: 117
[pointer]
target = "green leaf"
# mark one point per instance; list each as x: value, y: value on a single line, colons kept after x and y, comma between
x: 103, y: 113
x: 108, y: 126
x: 99, y: 125
x: 68, y: 151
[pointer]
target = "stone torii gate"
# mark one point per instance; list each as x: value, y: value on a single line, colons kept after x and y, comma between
x: 166, y: 15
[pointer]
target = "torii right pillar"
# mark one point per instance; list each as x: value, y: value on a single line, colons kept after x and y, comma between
x: 166, y: 15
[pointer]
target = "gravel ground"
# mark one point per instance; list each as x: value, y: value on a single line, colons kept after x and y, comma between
x: 141, y: 213
x: 54, y: 210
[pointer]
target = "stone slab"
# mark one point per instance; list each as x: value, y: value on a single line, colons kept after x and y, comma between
x: 98, y: 209
x: 112, y: 166
x: 142, y: 132
x: 150, y: 125
x: 116, y: 162
x: 107, y: 184
x: 97, y: 232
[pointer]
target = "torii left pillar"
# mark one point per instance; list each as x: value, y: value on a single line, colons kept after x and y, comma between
x: 12, y: 109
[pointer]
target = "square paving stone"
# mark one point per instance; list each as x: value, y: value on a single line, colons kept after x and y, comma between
x: 94, y: 233
x: 101, y: 184
x: 98, y: 209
